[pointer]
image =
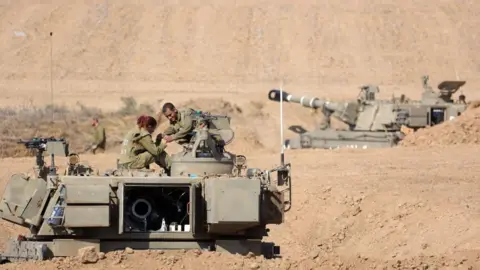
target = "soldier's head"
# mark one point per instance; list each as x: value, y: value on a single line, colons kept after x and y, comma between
x: 95, y: 121
x: 147, y: 122
x: 170, y: 112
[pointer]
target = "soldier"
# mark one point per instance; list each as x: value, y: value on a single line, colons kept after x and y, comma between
x: 181, y: 123
x: 139, y: 150
x: 100, y: 139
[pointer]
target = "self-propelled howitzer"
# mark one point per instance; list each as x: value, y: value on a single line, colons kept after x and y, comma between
x: 210, y: 201
x: 373, y: 123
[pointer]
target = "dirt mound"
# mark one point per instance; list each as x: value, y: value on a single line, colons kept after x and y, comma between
x: 473, y: 105
x: 464, y: 129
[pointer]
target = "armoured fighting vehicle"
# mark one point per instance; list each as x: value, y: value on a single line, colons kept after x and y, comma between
x: 211, y: 200
x: 374, y: 123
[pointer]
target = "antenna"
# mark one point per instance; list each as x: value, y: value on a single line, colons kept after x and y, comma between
x: 282, y: 151
x: 51, y: 74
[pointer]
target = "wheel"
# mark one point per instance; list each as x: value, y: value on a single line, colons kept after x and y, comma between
x: 305, y: 141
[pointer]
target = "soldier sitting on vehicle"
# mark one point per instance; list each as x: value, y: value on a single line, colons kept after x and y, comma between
x: 182, y: 124
x: 139, y: 150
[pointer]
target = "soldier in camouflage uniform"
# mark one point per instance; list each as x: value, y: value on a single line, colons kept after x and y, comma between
x: 181, y: 124
x: 139, y: 150
x: 100, y: 138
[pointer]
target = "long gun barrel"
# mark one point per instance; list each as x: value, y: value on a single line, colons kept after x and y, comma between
x: 345, y: 112
x: 274, y: 95
x: 309, y: 102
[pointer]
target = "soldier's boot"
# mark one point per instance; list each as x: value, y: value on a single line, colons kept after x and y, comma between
x: 165, y: 168
x: 163, y: 162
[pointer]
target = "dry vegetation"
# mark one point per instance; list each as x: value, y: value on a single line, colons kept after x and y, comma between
x: 74, y: 124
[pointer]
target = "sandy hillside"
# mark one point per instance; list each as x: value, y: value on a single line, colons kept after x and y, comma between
x: 112, y: 48
x: 413, y: 207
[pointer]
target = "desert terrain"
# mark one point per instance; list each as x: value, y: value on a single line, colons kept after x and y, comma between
x: 414, y: 206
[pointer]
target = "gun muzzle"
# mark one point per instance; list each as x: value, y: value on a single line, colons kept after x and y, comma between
x: 274, y: 95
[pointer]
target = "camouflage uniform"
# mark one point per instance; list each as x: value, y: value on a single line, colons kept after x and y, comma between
x: 100, y: 139
x: 139, y: 151
x: 181, y: 128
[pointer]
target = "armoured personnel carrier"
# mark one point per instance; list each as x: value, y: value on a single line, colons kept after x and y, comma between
x: 374, y: 123
x: 211, y: 200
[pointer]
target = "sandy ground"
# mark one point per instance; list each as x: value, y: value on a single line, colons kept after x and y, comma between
x: 412, y: 207
x: 357, y: 208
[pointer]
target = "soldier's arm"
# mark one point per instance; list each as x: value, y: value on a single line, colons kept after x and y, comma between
x: 170, y: 130
x: 150, y: 146
x: 187, y: 128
